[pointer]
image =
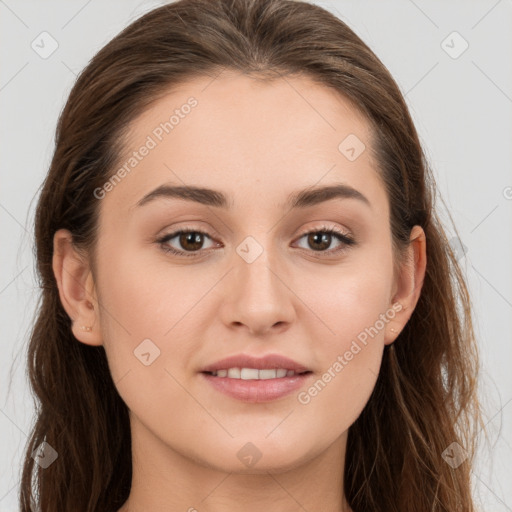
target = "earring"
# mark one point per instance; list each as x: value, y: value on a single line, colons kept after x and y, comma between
x: 393, y: 329
x: 86, y: 328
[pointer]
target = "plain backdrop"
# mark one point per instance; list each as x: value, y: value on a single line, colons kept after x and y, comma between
x: 453, y: 62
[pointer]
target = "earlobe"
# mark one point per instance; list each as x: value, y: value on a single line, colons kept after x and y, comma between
x: 409, y: 285
x: 76, y: 288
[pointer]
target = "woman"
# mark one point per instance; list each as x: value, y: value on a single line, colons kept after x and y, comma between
x: 248, y: 298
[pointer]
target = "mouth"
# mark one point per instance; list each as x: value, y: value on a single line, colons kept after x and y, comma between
x: 246, y: 367
x: 255, y: 373
x: 256, y: 379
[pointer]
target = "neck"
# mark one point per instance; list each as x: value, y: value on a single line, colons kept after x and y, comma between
x: 165, y: 480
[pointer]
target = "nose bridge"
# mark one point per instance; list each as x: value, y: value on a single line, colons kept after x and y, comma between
x: 255, y: 268
x: 258, y: 296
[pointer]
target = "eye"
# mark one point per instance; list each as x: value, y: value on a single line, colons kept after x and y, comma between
x: 192, y: 240
x: 321, y: 238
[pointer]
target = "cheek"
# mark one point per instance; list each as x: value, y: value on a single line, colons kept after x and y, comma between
x: 138, y: 311
x: 336, y: 397
x: 141, y: 294
x: 346, y: 300
x: 143, y: 298
x: 351, y: 310
x: 129, y: 303
x: 349, y: 363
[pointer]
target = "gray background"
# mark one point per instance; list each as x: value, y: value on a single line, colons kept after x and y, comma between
x: 462, y: 109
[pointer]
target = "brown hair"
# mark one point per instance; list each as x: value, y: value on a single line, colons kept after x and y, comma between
x: 425, y: 396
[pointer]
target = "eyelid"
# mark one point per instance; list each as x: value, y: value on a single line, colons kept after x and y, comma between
x: 325, y: 227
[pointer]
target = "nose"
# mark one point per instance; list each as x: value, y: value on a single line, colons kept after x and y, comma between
x: 258, y: 297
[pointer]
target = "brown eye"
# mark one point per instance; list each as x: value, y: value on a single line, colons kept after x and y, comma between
x: 189, y: 241
x: 320, y: 240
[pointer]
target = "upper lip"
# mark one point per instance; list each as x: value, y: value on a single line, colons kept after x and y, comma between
x: 270, y: 361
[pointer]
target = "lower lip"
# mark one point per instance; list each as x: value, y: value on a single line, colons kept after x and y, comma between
x: 257, y: 391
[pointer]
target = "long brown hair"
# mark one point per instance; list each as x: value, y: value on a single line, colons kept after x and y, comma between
x: 425, y: 397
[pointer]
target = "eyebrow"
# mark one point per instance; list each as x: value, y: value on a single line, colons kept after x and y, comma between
x: 300, y: 199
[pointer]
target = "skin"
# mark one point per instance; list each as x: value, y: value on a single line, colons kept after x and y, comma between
x: 257, y: 143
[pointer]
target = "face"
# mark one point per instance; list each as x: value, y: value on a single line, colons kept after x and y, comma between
x: 258, y: 275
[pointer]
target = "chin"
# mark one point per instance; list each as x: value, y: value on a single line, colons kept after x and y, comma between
x: 256, y: 458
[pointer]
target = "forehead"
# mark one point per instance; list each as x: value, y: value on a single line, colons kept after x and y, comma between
x: 257, y: 141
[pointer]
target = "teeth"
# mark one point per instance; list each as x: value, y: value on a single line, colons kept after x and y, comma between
x: 234, y: 373
x: 249, y: 373
x: 253, y: 373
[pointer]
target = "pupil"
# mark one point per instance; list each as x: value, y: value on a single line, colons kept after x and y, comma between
x: 192, y: 238
x: 322, y: 238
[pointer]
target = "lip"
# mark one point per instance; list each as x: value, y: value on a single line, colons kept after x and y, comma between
x: 270, y: 361
x: 256, y: 391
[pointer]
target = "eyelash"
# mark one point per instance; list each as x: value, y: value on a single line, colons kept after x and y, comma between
x: 346, y: 240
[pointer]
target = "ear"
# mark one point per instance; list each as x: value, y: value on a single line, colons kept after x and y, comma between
x: 76, y: 288
x: 407, y: 288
